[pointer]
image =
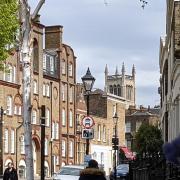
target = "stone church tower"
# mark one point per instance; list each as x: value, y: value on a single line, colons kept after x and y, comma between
x: 121, y: 85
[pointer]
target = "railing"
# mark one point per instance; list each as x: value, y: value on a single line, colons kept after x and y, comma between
x: 153, y: 167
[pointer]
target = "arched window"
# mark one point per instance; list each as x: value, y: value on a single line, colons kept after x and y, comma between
x: 70, y: 70
x: 35, y: 55
x: 9, y: 73
x: 115, y: 90
x: 63, y: 67
x: 111, y: 89
x: 118, y: 90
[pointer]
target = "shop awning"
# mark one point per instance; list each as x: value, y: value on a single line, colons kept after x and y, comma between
x: 127, y: 153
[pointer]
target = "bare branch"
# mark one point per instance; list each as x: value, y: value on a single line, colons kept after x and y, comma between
x: 36, y: 11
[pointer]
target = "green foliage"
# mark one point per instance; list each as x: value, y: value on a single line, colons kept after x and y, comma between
x: 8, y: 25
x: 148, y: 139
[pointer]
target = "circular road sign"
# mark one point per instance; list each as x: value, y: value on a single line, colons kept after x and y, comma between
x: 88, y: 122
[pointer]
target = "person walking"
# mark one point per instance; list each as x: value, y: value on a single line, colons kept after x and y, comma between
x: 10, y: 172
x: 92, y: 172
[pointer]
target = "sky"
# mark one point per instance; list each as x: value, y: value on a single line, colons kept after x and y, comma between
x: 111, y: 34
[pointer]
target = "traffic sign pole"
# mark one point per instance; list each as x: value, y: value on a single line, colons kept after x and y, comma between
x: 87, y: 140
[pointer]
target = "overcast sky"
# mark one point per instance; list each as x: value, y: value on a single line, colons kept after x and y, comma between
x: 111, y: 34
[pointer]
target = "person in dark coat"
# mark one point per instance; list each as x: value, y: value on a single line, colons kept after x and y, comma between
x: 92, y: 172
x: 10, y: 173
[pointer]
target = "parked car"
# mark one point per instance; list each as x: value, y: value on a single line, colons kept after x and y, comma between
x: 122, y: 172
x: 70, y: 172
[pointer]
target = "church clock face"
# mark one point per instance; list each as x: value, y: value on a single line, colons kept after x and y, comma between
x: 55, y: 93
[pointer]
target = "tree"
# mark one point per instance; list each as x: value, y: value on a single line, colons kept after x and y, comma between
x: 8, y: 26
x: 148, y: 139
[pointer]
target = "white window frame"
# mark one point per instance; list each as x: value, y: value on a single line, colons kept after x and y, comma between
x: 46, y: 147
x: 9, y: 73
x: 70, y: 69
x: 47, y: 90
x: 63, y: 92
x: 6, y: 140
x: 48, y: 117
x: 71, y: 94
x: 128, y: 127
x: 9, y: 106
x: 63, y: 148
x: 34, y: 116
x: 104, y: 133
x: 22, y: 145
x: 51, y: 64
x: 63, y: 67
x: 70, y: 118
x: 44, y: 62
x: 53, y: 131
x: 71, y: 149
x: 12, y: 141
x: 44, y: 89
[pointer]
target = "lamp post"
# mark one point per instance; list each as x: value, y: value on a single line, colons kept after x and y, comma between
x: 1, y: 141
x: 115, y: 142
x: 88, y: 82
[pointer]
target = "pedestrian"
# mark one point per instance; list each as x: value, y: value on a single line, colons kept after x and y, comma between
x: 92, y: 172
x: 10, y: 172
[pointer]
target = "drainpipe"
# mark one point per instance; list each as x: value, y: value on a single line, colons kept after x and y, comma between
x: 52, y: 164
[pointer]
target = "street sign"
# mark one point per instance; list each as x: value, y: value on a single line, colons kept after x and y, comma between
x: 87, y: 133
x: 88, y: 122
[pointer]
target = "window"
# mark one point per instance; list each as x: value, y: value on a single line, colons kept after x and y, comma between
x: 44, y: 62
x: 34, y: 116
x: 57, y: 160
x: 56, y: 131
x: 63, y: 117
x: 15, y: 109
x: 46, y: 147
x: 22, y: 145
x: 44, y: 89
x: 115, y: 90
x: 6, y: 141
x: 71, y: 149
x: 35, y: 87
x: 111, y: 89
x: 9, y: 73
x: 47, y: 90
x: 9, y: 105
x: 71, y: 94
x: 51, y: 64
x: 47, y: 117
x: 70, y: 118
x: 129, y: 92
x: 99, y: 132
x: 63, y: 148
x: 128, y: 127
x: 63, y: 67
x: 138, y: 124
x: 63, y: 92
x: 119, y: 90
x: 19, y: 110
x: 70, y: 69
x: 12, y: 141
x: 104, y: 133
x: 53, y: 130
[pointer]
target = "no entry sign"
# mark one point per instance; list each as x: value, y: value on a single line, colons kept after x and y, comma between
x: 88, y: 122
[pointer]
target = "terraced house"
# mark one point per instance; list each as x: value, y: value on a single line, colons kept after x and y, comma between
x: 53, y: 85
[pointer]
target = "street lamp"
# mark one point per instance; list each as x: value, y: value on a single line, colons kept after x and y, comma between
x: 1, y: 141
x: 115, y: 142
x: 88, y: 82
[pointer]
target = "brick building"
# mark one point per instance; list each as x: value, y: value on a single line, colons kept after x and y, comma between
x: 53, y: 85
x: 169, y: 63
x: 102, y: 107
x: 135, y: 117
